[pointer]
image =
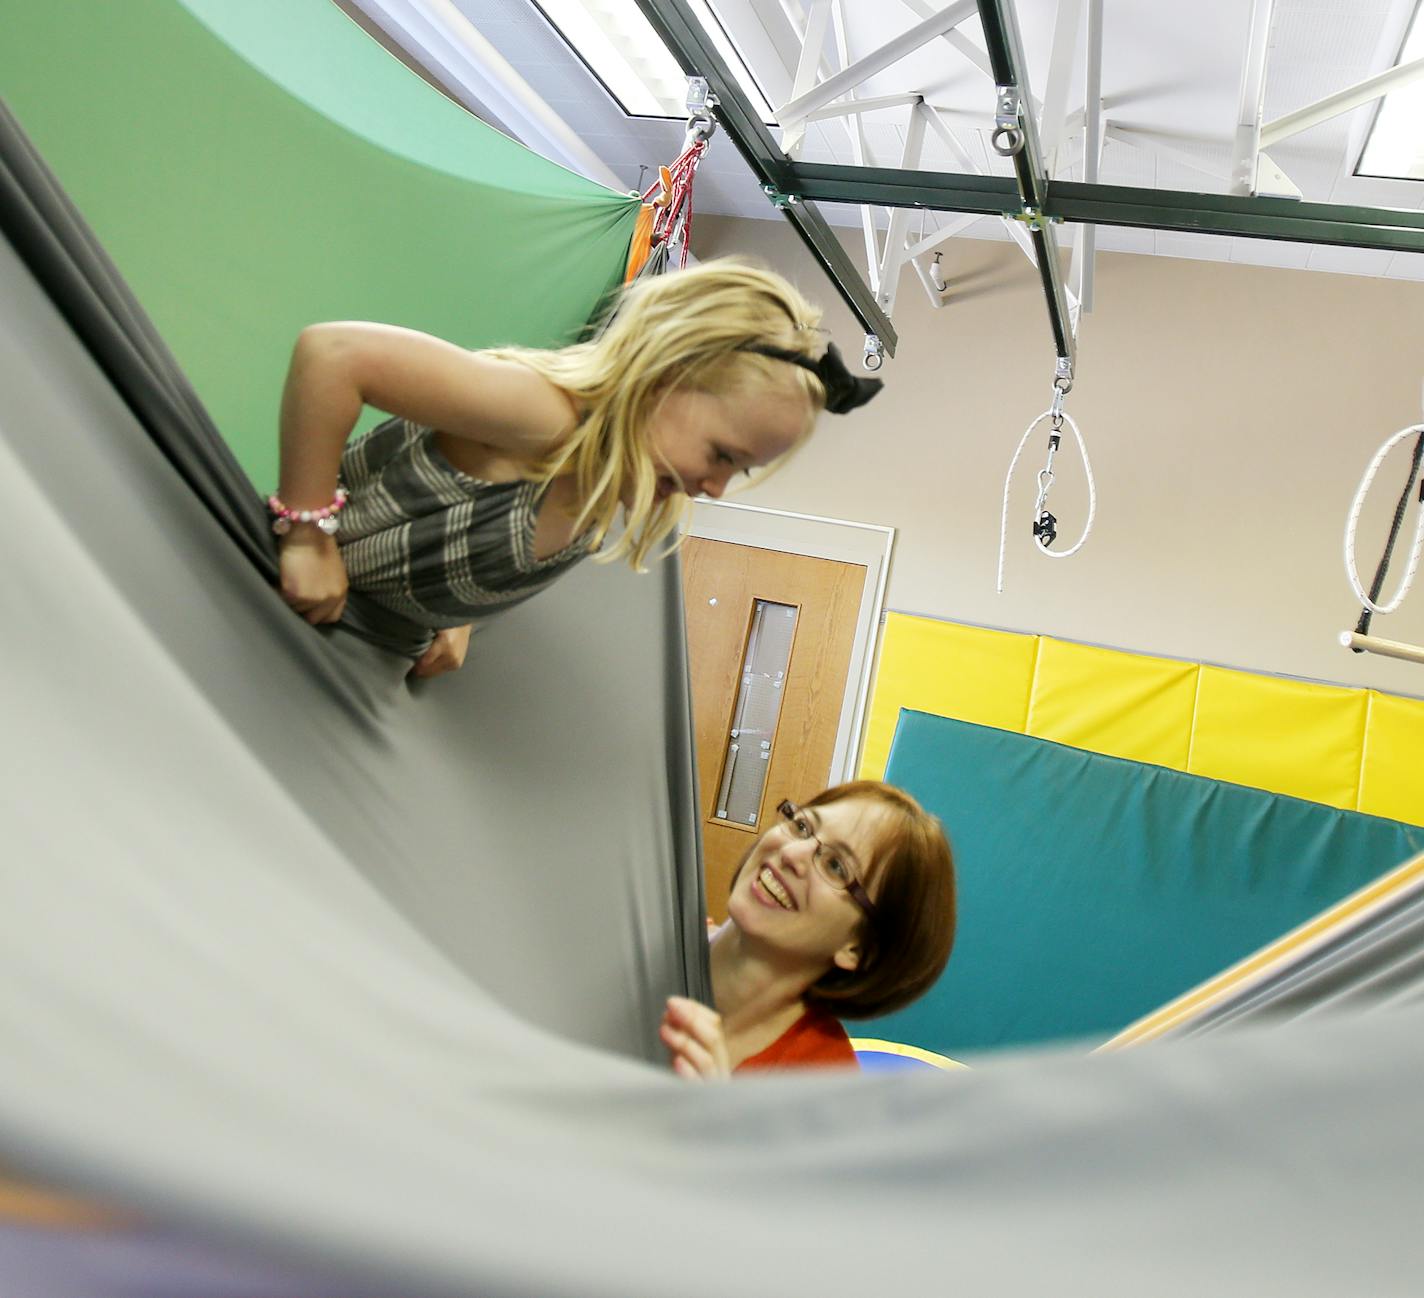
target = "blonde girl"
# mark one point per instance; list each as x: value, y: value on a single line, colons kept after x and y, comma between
x: 501, y: 469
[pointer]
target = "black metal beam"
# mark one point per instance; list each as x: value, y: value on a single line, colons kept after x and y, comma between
x: 1253, y: 218
x: 1006, y: 58
x: 894, y: 187
x: 1286, y: 219
x: 698, y: 57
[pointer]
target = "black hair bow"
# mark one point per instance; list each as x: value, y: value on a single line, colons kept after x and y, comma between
x: 844, y: 390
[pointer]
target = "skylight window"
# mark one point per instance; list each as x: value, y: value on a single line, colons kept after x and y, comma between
x: 619, y: 47
x: 1395, y: 147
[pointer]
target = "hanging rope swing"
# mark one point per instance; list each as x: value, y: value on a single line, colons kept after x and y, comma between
x: 666, y: 214
x: 1045, y: 524
x: 1360, y: 641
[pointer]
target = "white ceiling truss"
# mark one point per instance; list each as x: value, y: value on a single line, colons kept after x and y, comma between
x: 829, y: 84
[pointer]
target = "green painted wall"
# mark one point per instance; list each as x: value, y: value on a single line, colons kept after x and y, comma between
x: 253, y: 167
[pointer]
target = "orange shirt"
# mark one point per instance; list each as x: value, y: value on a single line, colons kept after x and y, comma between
x: 815, y: 1040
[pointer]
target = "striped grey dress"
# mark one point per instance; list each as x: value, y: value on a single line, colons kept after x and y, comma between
x: 427, y: 546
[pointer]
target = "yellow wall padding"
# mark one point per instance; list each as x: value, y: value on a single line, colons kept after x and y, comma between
x: 1123, y: 705
x: 1392, y: 781
x: 1286, y: 736
x: 983, y: 677
x: 1351, y: 748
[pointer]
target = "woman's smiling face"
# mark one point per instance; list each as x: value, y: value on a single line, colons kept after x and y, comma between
x: 784, y: 900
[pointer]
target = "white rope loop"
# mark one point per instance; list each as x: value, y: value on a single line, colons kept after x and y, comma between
x: 1055, y: 410
x: 1352, y: 570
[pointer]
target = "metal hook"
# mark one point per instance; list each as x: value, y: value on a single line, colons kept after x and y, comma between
x: 700, y: 127
x: 1006, y: 141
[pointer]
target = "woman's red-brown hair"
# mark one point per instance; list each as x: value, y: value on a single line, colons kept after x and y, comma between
x: 907, y: 942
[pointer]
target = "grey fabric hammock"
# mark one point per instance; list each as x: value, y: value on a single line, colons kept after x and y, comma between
x: 348, y: 986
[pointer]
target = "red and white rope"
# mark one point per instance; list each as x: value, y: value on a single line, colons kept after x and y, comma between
x: 677, y: 211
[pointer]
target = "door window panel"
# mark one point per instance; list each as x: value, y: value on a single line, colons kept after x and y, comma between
x: 747, y: 755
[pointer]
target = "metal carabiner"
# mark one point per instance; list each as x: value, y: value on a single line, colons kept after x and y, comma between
x: 702, y: 126
x: 1062, y: 386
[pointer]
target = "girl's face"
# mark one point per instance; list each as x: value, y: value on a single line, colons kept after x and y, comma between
x: 700, y: 442
x: 783, y: 899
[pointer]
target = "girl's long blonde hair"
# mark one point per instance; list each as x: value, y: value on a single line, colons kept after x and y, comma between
x: 676, y: 331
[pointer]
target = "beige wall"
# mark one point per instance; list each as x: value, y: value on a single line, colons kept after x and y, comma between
x: 1229, y: 410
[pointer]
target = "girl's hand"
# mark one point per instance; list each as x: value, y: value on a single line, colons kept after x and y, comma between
x: 695, y: 1041
x: 446, y: 653
x: 314, y: 578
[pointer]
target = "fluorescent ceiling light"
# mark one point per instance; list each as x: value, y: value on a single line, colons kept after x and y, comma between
x: 620, y: 48
x: 1395, y: 147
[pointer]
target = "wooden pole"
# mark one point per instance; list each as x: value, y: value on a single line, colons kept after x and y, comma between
x: 1389, y: 648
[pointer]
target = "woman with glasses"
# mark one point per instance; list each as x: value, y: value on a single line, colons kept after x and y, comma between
x: 844, y: 908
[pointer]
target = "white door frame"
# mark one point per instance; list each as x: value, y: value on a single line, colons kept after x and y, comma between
x: 867, y: 544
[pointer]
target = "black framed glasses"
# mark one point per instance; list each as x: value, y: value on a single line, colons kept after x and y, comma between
x: 831, y: 866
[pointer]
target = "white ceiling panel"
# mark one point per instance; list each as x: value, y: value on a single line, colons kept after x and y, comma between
x: 1406, y: 265
x: 1269, y: 252
x: 1113, y: 238
x: 1350, y: 261
x: 1202, y: 247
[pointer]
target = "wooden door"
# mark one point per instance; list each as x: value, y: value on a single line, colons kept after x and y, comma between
x: 739, y: 600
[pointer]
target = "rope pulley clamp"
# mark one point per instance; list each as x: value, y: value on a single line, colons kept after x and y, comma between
x: 1045, y: 524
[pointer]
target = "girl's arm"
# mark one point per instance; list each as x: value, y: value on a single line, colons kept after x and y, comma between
x: 338, y: 368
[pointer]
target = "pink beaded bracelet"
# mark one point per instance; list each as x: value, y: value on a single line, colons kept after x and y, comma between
x: 324, y: 518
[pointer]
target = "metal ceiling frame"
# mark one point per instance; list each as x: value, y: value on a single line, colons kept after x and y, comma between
x: 695, y: 53
x: 1032, y: 203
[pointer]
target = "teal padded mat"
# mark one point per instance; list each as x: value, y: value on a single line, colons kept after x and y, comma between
x: 1093, y: 889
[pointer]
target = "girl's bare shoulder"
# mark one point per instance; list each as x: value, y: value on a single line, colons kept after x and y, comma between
x: 534, y: 410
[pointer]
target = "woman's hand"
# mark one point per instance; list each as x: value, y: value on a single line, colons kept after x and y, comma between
x: 446, y: 653
x: 314, y: 577
x: 695, y: 1041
